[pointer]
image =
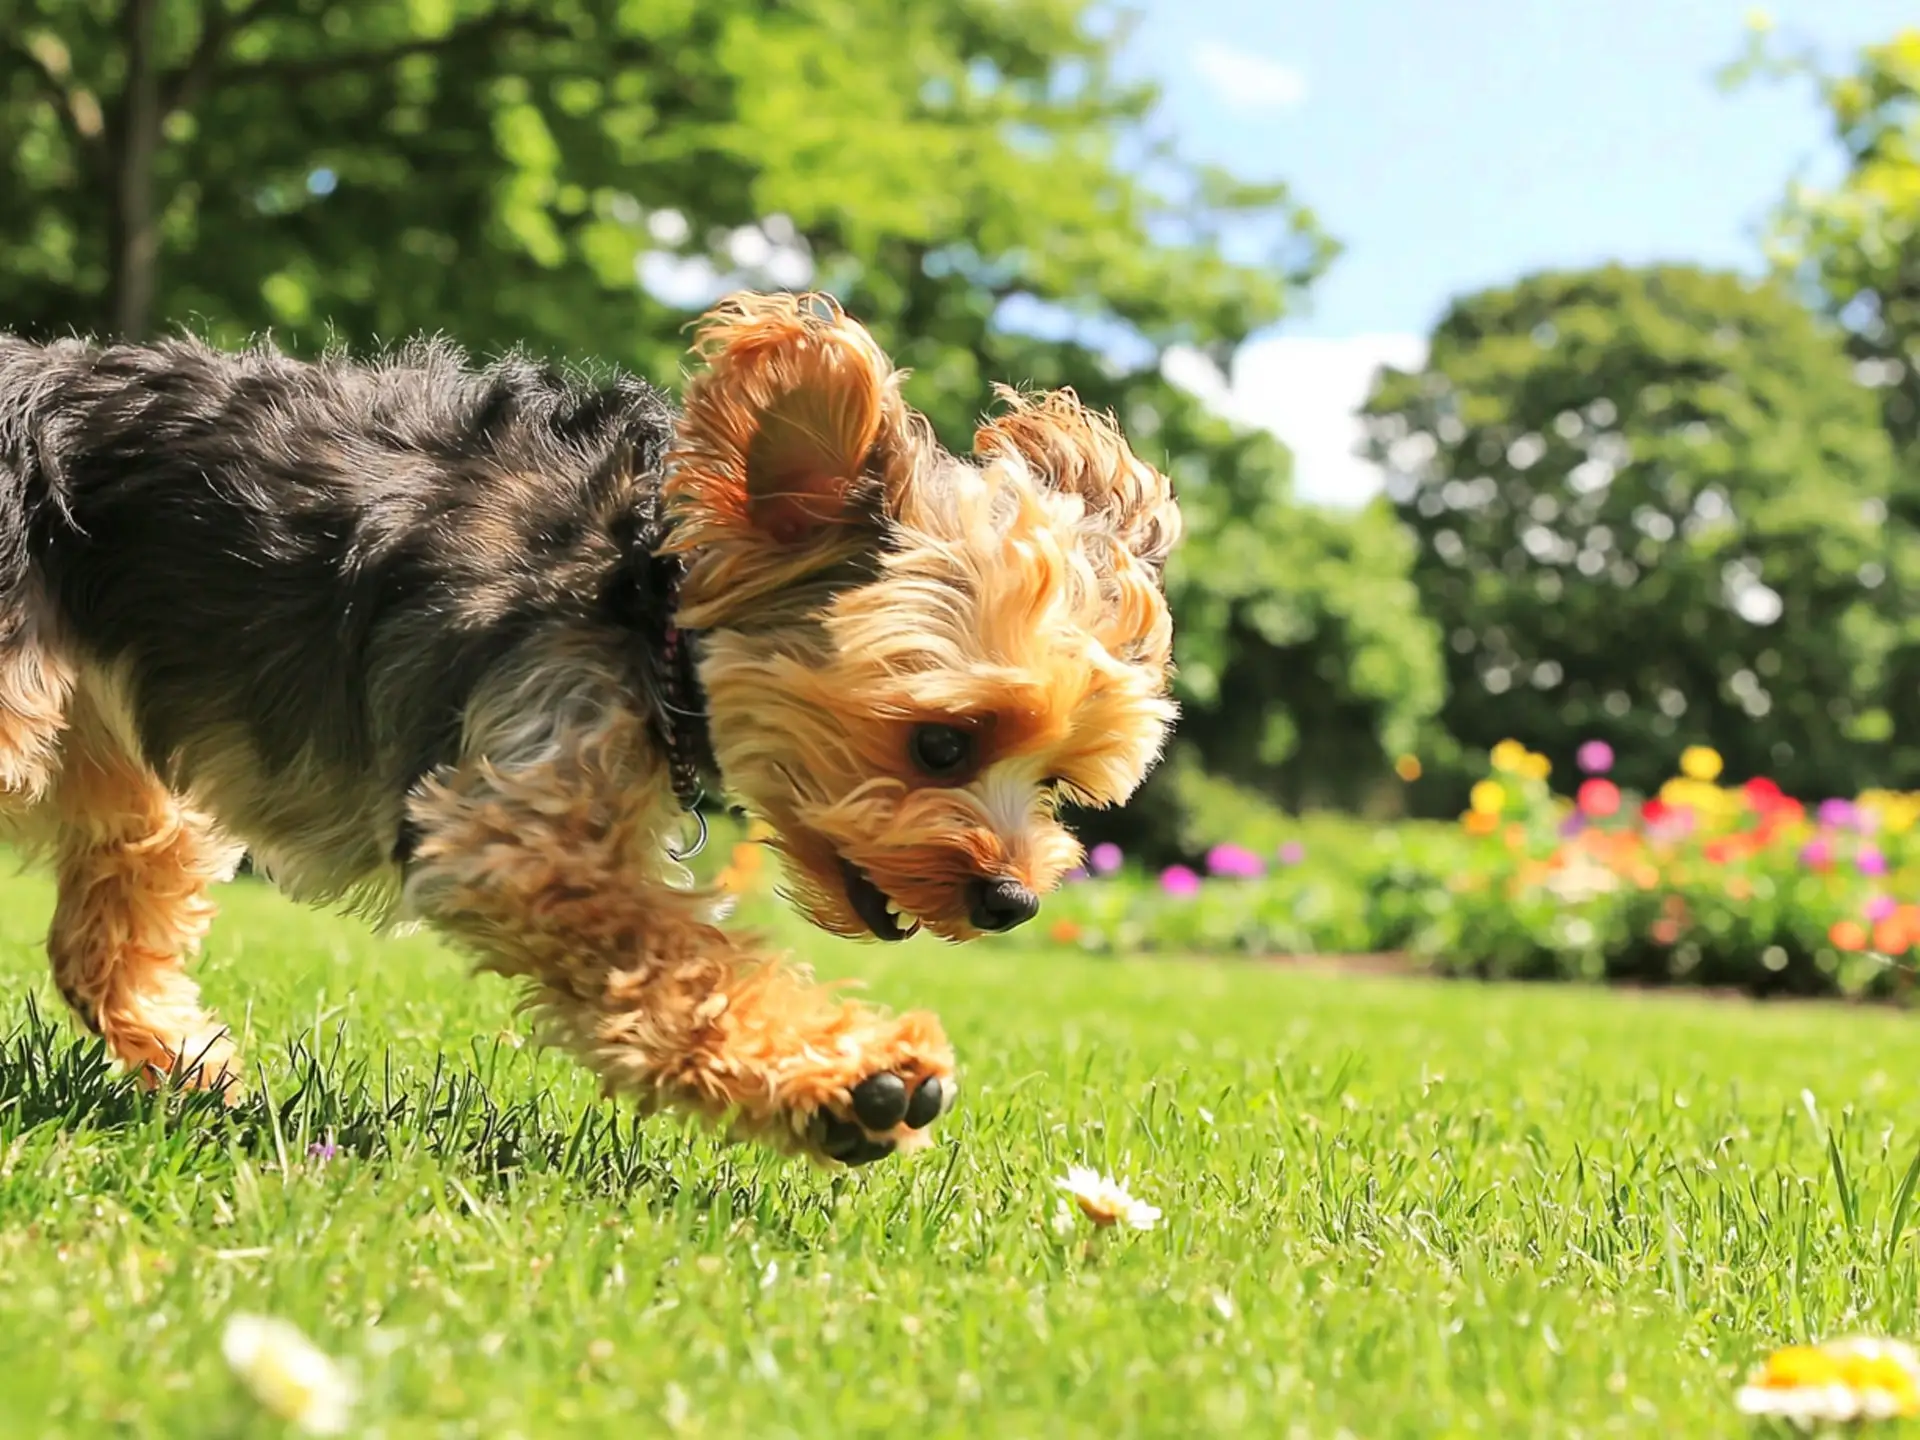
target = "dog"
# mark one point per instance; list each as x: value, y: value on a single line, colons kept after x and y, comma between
x: 462, y: 646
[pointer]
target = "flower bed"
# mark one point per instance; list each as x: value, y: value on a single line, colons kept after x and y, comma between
x: 1702, y: 883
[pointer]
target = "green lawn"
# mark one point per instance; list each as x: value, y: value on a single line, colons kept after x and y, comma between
x: 1392, y: 1208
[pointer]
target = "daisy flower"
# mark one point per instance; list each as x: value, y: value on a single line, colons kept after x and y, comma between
x: 288, y: 1374
x: 1105, y: 1201
x: 1835, y: 1383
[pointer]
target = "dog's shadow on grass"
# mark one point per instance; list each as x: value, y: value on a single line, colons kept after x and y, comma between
x: 336, y: 1106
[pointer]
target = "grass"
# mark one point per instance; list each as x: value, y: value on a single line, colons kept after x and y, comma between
x: 1392, y: 1208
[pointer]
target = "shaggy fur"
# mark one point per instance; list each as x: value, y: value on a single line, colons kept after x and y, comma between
x: 400, y: 631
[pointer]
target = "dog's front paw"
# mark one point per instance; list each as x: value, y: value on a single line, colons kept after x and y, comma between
x: 884, y: 1113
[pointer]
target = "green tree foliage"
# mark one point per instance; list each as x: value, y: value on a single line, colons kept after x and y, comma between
x: 1854, y: 245
x: 1856, y: 241
x: 968, y: 175
x: 1650, y: 507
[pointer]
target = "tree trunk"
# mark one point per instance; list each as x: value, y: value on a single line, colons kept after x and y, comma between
x: 136, y: 238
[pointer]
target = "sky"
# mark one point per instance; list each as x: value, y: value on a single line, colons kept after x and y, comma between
x: 1455, y: 144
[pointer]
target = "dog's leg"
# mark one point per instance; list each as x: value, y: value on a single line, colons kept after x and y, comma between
x: 134, y: 866
x: 35, y: 683
x: 555, y: 872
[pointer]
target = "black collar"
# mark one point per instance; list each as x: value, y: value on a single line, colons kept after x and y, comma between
x: 680, y: 705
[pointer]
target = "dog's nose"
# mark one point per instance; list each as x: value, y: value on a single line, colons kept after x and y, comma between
x: 996, y: 905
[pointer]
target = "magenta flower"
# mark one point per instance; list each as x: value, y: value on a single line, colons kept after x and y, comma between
x: 1880, y: 907
x: 1837, y: 814
x: 322, y: 1150
x: 1234, y: 862
x: 1869, y: 861
x: 1595, y: 757
x: 1572, y: 825
x: 1079, y: 872
x: 1105, y: 858
x: 1179, y: 882
x: 1817, y: 853
x: 1292, y: 853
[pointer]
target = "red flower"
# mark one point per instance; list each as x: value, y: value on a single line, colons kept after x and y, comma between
x: 1654, y: 811
x: 1598, y: 798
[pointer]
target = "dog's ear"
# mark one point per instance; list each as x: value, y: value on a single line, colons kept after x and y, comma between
x: 777, y: 467
x: 1067, y: 447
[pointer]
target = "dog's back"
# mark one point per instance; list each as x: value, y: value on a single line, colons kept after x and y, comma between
x: 282, y: 580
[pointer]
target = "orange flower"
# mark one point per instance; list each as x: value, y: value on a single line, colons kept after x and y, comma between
x: 1738, y: 888
x: 1847, y: 935
x: 1516, y: 836
x: 1891, y: 936
x: 1064, y: 932
x: 1479, y: 822
x: 1407, y: 767
x: 1645, y: 876
x: 1665, y: 932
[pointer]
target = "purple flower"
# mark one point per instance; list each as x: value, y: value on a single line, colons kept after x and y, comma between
x: 1572, y: 825
x: 1595, y: 757
x: 1880, y: 907
x: 1292, y: 853
x: 1179, y: 882
x: 322, y: 1150
x: 1079, y: 872
x: 1869, y: 861
x: 1817, y: 853
x: 1105, y: 858
x: 1837, y: 814
x: 1234, y: 862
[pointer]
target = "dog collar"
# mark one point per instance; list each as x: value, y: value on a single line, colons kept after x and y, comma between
x: 680, y: 712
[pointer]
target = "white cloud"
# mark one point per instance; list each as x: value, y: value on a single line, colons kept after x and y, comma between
x: 1245, y: 80
x: 1307, y: 391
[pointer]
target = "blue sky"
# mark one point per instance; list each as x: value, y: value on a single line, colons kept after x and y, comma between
x: 1454, y: 144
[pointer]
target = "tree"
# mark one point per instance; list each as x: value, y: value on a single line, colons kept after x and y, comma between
x: 1650, y: 507
x: 1854, y: 246
x: 1855, y: 243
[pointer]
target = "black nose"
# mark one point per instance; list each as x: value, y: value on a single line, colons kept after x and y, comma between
x: 996, y: 905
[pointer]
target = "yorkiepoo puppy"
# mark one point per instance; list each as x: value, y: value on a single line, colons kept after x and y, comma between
x: 459, y: 646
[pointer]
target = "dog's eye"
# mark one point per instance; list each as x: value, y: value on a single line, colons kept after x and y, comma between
x: 941, y: 751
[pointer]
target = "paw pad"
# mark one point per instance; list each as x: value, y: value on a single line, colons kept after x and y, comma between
x: 845, y: 1141
x: 881, y: 1103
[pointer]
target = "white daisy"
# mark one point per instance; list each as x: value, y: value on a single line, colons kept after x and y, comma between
x: 288, y: 1374
x: 1105, y: 1201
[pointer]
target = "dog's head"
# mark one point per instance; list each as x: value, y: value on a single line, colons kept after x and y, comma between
x: 913, y: 659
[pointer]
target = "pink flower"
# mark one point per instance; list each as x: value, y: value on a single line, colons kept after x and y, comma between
x: 1105, y: 858
x: 1179, y: 882
x: 1836, y: 814
x: 1869, y: 861
x: 1595, y: 757
x: 1234, y: 862
x: 1292, y: 853
x: 1817, y: 853
x: 1880, y: 907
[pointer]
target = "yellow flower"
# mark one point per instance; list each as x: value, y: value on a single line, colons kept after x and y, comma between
x: 1898, y: 813
x: 1407, y: 767
x: 1535, y: 767
x: 1105, y: 1201
x: 1838, y: 1382
x: 1701, y: 762
x: 1488, y: 797
x: 1508, y: 755
x: 288, y: 1374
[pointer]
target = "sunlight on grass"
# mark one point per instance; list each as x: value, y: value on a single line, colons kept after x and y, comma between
x: 1399, y: 1207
